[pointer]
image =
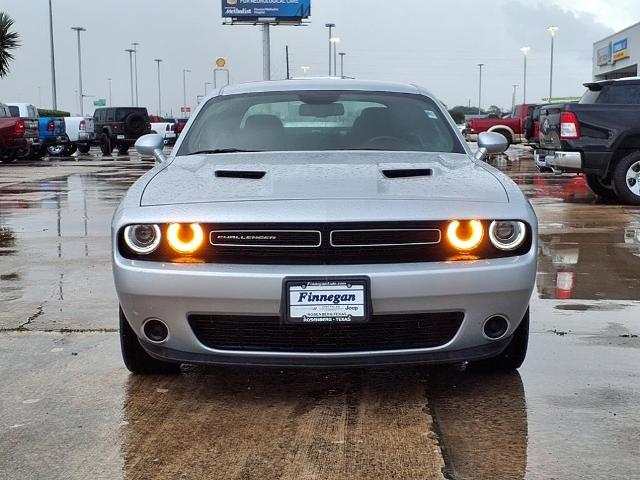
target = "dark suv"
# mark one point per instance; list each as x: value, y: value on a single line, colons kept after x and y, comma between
x: 120, y: 127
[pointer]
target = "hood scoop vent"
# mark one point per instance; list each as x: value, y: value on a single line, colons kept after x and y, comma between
x: 408, y: 172
x: 242, y: 174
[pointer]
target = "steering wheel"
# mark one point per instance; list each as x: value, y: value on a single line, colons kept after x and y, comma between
x: 385, y: 140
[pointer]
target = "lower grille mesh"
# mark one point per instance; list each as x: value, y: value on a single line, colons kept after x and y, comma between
x: 269, y: 334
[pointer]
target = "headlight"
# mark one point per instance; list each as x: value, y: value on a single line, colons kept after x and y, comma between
x: 142, y: 239
x: 507, y: 235
x: 185, y: 238
x: 465, y: 237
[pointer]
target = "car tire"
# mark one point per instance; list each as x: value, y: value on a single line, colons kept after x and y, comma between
x: 84, y: 149
x: 513, y: 356
x: 57, y: 150
x: 506, y: 135
x: 626, y: 179
x: 106, y: 146
x: 135, y: 124
x: 600, y: 188
x: 123, y: 151
x: 135, y: 358
x: 71, y: 149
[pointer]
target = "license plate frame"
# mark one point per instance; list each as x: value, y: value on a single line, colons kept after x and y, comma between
x: 323, y: 311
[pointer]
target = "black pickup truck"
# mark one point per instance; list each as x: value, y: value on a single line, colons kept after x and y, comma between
x: 599, y: 136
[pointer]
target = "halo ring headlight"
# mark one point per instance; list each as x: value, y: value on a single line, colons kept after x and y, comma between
x: 142, y: 239
x: 472, y: 241
x: 507, y: 235
x: 182, y: 245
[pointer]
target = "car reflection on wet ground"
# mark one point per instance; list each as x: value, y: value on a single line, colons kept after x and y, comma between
x: 68, y: 408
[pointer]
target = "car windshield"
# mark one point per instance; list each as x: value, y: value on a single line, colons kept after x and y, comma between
x: 321, y: 120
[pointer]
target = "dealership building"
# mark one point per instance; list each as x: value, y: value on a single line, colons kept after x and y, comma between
x: 617, y: 56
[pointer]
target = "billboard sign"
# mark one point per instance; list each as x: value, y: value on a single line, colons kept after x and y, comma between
x: 604, y: 55
x: 278, y: 9
x: 620, y: 49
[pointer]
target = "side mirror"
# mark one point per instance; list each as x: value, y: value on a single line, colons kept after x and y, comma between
x: 151, y: 145
x: 490, y: 143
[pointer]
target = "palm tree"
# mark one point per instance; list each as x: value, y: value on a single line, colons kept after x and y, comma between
x: 8, y: 41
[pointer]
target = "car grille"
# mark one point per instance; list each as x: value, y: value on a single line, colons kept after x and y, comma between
x: 270, y: 334
x: 328, y: 244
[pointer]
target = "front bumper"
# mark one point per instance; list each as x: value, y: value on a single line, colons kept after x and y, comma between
x: 171, y: 292
x: 558, y: 160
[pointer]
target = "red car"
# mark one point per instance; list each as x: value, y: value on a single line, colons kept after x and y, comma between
x: 17, y: 135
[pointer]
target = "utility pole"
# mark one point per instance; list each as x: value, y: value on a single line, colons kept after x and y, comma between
x: 184, y: 89
x: 54, y: 94
x: 480, y: 65
x: 513, y: 98
x: 135, y: 56
x: 342, y: 54
x: 159, y: 61
x: 79, y: 30
x: 525, y: 51
x: 110, y: 95
x: 287, y: 55
x: 335, y: 41
x: 130, y: 52
x: 266, y: 51
x: 552, y: 31
x: 330, y: 26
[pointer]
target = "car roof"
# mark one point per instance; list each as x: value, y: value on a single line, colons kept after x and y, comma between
x: 320, y: 84
x: 622, y: 81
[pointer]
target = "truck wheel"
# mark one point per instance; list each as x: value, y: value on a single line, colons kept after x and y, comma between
x: 57, y: 150
x: 71, y: 149
x: 136, y: 359
x: 626, y: 179
x: 506, y: 135
x: 598, y: 186
x: 123, y: 150
x: 84, y: 149
x: 513, y: 356
x: 106, y: 146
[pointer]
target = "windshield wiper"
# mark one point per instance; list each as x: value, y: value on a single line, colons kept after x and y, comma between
x: 222, y: 150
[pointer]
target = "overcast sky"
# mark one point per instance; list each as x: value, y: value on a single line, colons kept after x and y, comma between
x: 436, y: 43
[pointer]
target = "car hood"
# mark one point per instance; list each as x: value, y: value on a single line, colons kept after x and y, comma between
x: 322, y: 175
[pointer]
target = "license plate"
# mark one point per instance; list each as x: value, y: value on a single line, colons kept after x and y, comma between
x: 326, y: 301
x: 120, y: 137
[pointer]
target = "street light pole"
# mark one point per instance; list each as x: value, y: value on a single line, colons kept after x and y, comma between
x: 54, y: 95
x: 159, y: 61
x: 130, y: 52
x: 480, y: 65
x: 110, y: 96
x: 525, y: 51
x: 335, y: 41
x: 184, y: 88
x: 135, y: 56
x: 330, y: 26
x: 552, y: 31
x: 266, y: 51
x: 513, y: 98
x: 342, y: 54
x: 78, y: 30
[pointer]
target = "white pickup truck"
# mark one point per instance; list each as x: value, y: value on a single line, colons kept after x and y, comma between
x: 80, y: 131
x: 166, y: 129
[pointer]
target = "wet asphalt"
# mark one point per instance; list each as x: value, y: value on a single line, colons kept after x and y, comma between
x: 70, y: 410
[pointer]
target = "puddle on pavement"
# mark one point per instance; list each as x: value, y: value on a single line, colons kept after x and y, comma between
x: 55, y: 243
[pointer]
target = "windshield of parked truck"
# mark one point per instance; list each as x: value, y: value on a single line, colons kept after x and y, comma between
x: 321, y: 120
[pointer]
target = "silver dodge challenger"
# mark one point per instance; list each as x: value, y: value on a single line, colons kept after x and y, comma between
x: 323, y: 223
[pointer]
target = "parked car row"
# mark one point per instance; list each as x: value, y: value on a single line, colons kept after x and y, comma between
x: 26, y: 134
